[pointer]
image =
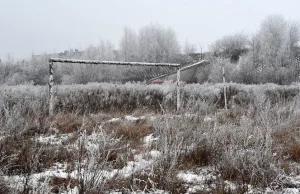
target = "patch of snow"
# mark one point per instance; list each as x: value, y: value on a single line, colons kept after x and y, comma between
x: 151, y: 118
x: 131, y: 118
x: 290, y: 191
x: 195, y: 188
x: 190, y: 177
x: 290, y: 180
x: 199, y: 181
x: 155, y: 153
x: 230, y: 185
x: 208, y: 119
x: 113, y: 120
x: 149, y: 139
x: 53, y: 139
x: 135, y: 166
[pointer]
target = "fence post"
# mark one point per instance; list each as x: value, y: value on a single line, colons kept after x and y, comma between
x: 178, y: 88
x: 50, y: 87
x: 224, y: 81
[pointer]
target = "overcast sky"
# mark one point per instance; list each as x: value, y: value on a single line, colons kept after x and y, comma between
x: 40, y: 26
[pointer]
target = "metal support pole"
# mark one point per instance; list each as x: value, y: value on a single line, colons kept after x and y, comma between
x: 178, y: 89
x: 51, y: 88
x: 224, y: 81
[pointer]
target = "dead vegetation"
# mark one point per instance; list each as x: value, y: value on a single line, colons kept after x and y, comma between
x: 249, y: 144
x: 59, y: 183
x: 198, y: 157
x: 130, y: 132
x: 147, y: 181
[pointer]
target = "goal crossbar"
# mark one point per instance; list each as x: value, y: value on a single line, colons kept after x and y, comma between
x: 57, y: 60
x: 111, y: 62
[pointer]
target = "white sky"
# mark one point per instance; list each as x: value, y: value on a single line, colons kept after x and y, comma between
x: 40, y: 26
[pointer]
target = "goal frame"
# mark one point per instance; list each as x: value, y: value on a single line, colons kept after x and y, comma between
x: 96, y: 62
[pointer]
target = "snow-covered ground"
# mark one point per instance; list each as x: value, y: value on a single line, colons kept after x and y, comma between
x: 196, y: 180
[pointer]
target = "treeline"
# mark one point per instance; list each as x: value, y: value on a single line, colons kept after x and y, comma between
x: 270, y: 55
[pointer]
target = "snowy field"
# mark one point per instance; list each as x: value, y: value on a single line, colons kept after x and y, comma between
x: 113, y: 138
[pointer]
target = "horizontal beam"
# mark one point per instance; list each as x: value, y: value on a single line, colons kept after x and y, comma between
x: 57, y: 60
x: 204, y: 62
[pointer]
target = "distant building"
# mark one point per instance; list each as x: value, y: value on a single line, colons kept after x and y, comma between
x: 70, y: 54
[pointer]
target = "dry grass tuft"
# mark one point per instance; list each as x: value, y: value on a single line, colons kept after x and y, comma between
x: 130, y: 132
x: 294, y: 152
x: 286, y: 140
x: 27, y: 156
x: 199, y: 156
x: 116, y: 158
x: 147, y: 181
x: 231, y: 116
x: 63, y: 182
x: 69, y: 123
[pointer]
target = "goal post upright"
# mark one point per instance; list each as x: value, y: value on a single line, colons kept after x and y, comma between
x: 95, y: 62
x: 178, y: 89
x: 51, y: 84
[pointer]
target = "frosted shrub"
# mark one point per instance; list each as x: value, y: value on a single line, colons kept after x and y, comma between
x: 93, y: 97
x: 92, y: 159
x: 244, y: 153
x: 178, y: 136
x: 21, y: 106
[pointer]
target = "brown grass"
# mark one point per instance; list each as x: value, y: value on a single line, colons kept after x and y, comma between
x: 63, y: 182
x: 20, y: 155
x: 37, y: 125
x: 294, y: 152
x: 199, y: 156
x: 130, y: 132
x: 142, y: 180
x: 286, y: 140
x: 231, y: 116
x: 69, y: 123
x: 116, y: 158
x: 244, y: 173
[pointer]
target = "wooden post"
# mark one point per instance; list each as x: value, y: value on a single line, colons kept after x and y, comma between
x: 224, y: 81
x: 178, y: 89
x: 50, y: 88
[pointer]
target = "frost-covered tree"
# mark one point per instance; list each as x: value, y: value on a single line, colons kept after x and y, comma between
x: 82, y: 74
x: 103, y: 51
x: 231, y: 46
x: 157, y: 43
x: 189, y: 48
x: 273, y: 40
x: 273, y: 49
x: 216, y: 70
x: 37, y: 71
x: 153, y: 43
x: 129, y: 45
x: 7, y: 69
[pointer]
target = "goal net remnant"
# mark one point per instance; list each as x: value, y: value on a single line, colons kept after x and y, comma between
x: 95, y: 62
